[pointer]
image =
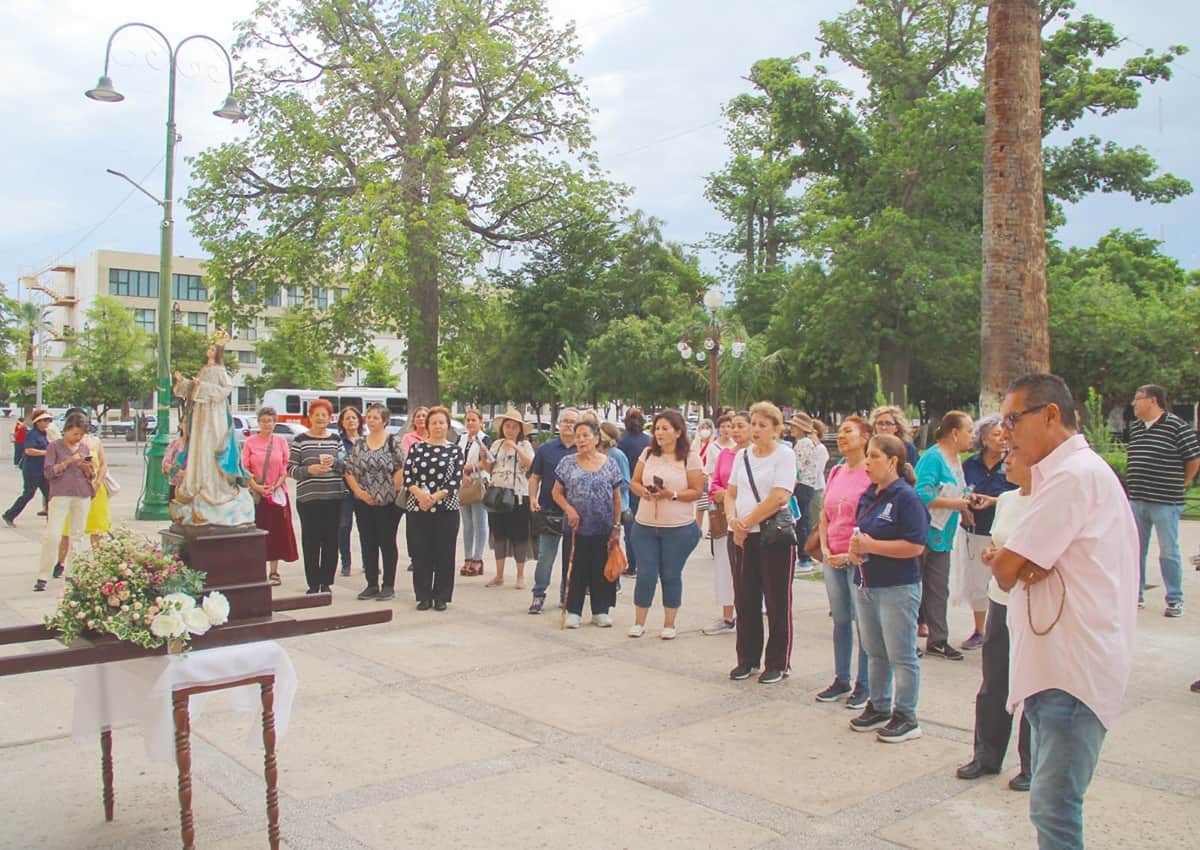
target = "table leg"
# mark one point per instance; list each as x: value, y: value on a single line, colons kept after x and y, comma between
x: 183, y: 758
x: 106, y: 772
x: 270, y: 767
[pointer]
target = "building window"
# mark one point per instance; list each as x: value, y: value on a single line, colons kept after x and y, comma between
x: 188, y: 287
x: 245, y: 397
x: 144, y: 319
x: 273, y: 299
x: 198, y: 322
x: 295, y: 296
x: 320, y: 297
x: 128, y: 282
x: 247, y: 358
x: 248, y: 333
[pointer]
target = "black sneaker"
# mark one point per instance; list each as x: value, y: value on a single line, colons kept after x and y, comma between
x: 858, y: 699
x: 326, y: 589
x: 535, y: 607
x: 943, y: 650
x: 312, y: 591
x: 9, y: 522
x: 772, y: 675
x: 346, y: 571
x: 1020, y: 782
x: 369, y: 593
x: 899, y: 729
x: 837, y: 689
x: 871, y: 718
x: 40, y: 584
x: 59, y: 569
x: 386, y: 593
x: 424, y: 605
x: 740, y: 672
x: 440, y: 605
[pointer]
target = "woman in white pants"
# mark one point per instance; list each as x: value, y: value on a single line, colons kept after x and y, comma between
x: 720, y: 467
x: 71, y: 472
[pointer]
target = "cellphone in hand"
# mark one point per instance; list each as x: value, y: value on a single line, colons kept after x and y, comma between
x: 657, y: 485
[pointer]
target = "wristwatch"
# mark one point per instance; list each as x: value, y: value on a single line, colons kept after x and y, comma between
x: 674, y: 495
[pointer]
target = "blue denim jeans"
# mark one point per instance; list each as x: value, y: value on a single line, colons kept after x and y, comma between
x: 474, y: 531
x: 1065, y: 746
x: 839, y: 586
x: 1164, y: 519
x: 662, y: 552
x: 887, y: 625
x: 345, y: 525
x: 630, y: 555
x: 547, y: 552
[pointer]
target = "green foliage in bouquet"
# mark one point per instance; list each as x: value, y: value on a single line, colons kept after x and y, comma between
x: 120, y: 587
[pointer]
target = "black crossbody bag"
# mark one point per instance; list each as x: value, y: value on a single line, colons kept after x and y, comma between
x: 779, y: 529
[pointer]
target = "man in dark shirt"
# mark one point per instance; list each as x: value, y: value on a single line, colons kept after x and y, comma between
x: 1164, y: 457
x: 541, y: 501
x: 632, y: 444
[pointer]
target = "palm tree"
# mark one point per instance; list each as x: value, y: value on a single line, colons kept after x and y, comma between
x: 1014, y: 323
x: 31, y: 319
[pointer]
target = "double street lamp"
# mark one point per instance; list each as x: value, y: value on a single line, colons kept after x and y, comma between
x: 704, y: 343
x: 152, y: 505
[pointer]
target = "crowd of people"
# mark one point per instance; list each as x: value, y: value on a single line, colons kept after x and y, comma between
x: 1012, y: 508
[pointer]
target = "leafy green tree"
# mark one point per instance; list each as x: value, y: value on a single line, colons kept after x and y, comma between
x: 390, y: 144
x: 377, y: 369
x: 107, y: 360
x: 294, y: 355
x: 570, y: 377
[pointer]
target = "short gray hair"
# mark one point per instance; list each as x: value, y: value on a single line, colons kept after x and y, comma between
x: 982, y: 427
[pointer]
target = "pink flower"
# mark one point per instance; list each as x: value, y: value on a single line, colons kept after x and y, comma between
x: 120, y: 586
x: 106, y: 588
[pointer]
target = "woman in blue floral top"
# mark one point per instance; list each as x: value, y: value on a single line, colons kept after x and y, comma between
x: 588, y: 490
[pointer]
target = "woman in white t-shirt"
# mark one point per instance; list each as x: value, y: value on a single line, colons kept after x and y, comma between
x: 668, y: 480
x: 761, y: 571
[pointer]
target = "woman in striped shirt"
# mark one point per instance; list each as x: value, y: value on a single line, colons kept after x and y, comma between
x: 317, y: 462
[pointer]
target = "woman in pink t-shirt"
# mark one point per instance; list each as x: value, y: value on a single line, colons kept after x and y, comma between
x: 844, y: 487
x: 268, y: 479
x: 416, y: 429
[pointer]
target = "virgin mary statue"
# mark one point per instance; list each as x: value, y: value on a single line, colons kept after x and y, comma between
x: 210, y: 492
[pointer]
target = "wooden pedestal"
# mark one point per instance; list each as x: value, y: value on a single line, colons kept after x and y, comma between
x: 235, y: 563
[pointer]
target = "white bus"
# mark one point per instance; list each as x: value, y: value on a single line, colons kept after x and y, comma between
x: 292, y: 404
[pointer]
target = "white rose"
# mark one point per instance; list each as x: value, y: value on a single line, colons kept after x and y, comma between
x: 185, y: 602
x: 168, y: 625
x: 216, y: 608
x: 196, y: 620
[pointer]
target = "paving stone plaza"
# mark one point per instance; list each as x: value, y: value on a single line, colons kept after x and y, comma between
x: 484, y: 727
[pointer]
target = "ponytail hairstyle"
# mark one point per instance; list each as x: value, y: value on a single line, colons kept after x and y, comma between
x: 892, y: 447
x: 951, y: 421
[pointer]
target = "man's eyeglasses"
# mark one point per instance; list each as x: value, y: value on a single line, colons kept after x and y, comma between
x: 1011, y: 420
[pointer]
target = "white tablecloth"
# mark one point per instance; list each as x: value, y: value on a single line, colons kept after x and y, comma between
x: 139, y: 691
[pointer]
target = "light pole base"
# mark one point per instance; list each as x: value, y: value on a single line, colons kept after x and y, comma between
x: 155, y: 497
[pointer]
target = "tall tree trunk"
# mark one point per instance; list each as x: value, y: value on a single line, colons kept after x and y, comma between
x: 423, y: 325
x: 895, y: 364
x: 1014, y: 323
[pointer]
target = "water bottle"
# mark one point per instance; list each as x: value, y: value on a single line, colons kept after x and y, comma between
x: 857, y: 532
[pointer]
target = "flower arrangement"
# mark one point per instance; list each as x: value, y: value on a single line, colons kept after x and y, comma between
x: 129, y: 588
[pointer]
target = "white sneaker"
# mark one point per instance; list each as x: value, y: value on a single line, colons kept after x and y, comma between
x: 668, y: 633
x: 636, y: 631
x: 574, y: 621
x: 602, y: 620
x: 720, y: 627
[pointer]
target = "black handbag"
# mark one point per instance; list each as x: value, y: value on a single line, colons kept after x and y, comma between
x: 501, y: 500
x: 543, y: 522
x: 779, y: 529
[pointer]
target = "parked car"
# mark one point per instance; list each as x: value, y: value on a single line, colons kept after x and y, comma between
x: 289, y: 430
x: 243, y: 427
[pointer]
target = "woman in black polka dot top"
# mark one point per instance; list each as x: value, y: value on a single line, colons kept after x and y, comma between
x: 433, y: 473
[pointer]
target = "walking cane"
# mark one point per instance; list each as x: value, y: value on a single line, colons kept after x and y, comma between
x: 562, y: 620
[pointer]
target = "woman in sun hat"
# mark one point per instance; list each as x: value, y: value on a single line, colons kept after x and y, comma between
x: 508, y: 461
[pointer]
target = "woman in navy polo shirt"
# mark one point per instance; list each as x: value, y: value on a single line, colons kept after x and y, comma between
x: 892, y: 525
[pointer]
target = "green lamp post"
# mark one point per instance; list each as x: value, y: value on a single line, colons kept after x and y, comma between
x: 152, y: 504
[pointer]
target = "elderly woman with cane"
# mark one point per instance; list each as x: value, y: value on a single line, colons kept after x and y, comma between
x: 588, y: 489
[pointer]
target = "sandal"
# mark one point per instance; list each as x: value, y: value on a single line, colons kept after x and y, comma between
x: 498, y: 581
x: 275, y: 579
x: 465, y: 569
x: 520, y: 585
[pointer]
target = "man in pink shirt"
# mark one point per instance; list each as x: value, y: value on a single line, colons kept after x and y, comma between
x: 1072, y: 567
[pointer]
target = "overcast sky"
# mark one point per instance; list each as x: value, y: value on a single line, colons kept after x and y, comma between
x: 657, y: 73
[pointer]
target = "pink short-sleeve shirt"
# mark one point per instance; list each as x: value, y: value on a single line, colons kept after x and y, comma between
x: 1080, y: 523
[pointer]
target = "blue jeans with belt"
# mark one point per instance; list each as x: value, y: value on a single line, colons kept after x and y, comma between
x: 1065, y: 746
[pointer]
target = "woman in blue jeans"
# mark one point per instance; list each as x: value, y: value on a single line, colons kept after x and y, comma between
x: 668, y: 479
x: 888, y: 542
x: 350, y: 426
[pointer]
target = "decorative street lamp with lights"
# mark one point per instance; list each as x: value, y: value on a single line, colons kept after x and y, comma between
x: 153, y: 502
x: 706, y: 344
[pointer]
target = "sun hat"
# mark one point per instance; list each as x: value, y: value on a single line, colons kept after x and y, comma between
x: 511, y: 413
x: 802, y: 421
x: 39, y: 414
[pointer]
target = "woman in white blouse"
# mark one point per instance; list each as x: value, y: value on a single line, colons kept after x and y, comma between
x: 761, y: 572
x: 508, y: 461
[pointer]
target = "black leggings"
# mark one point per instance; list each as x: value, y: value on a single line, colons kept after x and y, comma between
x: 319, y: 522
x: 432, y: 541
x: 587, y: 573
x: 377, y: 525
